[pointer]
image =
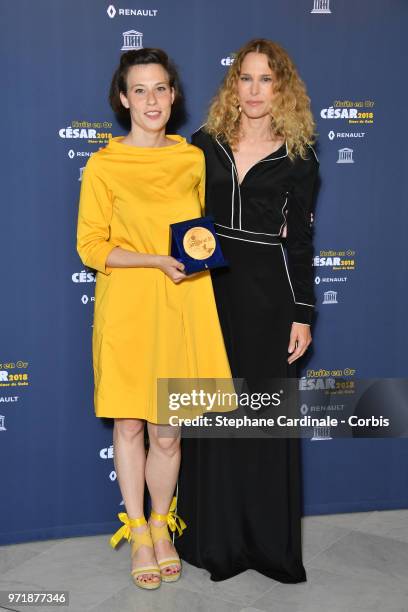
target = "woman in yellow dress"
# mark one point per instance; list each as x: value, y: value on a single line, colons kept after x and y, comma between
x: 150, y: 320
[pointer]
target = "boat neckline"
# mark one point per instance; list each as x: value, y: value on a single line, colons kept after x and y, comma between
x: 178, y: 140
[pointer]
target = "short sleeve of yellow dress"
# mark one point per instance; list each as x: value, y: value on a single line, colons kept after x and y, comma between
x: 145, y: 326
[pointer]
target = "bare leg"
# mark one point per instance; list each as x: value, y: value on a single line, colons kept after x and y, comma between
x: 130, y: 461
x: 162, y: 468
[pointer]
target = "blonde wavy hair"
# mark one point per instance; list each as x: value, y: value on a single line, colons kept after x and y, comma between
x: 291, y: 117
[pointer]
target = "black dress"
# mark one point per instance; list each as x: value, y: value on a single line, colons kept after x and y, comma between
x: 241, y: 497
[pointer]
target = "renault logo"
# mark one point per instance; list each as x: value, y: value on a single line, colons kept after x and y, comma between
x: 111, y: 11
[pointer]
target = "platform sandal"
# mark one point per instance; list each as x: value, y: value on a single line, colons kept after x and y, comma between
x: 138, y: 539
x: 172, y: 522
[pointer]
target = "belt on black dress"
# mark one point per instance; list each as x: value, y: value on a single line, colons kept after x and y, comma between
x: 247, y: 236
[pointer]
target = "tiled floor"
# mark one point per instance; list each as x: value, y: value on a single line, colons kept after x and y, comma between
x: 354, y: 563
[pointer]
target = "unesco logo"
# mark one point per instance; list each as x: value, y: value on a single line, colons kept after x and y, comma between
x: 321, y: 7
x: 132, y: 40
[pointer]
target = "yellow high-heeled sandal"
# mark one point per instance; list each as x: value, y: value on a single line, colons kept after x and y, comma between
x: 172, y: 521
x: 138, y: 539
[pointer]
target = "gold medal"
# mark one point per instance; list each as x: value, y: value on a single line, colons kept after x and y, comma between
x: 199, y: 243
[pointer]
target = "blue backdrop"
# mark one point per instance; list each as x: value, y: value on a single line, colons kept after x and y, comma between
x: 58, y: 56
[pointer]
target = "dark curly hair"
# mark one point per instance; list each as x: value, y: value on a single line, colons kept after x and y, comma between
x: 136, y: 58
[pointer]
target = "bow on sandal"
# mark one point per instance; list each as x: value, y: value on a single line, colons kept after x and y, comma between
x: 172, y: 522
x: 139, y: 539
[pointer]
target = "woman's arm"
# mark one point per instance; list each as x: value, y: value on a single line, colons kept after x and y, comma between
x: 94, y: 217
x: 299, y: 242
x: 122, y: 258
x: 299, y: 246
x: 94, y: 245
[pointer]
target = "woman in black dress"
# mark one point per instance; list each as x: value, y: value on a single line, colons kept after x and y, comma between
x: 241, y: 497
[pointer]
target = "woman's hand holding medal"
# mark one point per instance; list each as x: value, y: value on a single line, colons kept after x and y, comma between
x: 173, y: 268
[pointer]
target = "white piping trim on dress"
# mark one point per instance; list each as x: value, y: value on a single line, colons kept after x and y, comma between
x: 273, y: 158
x: 226, y: 153
x: 287, y: 272
x: 195, y: 131
x: 265, y: 160
x: 233, y: 183
x: 245, y: 240
x: 283, y: 215
x: 263, y: 233
x: 239, y: 185
x: 290, y: 282
x: 233, y: 197
x: 240, y: 207
x: 314, y: 153
x: 284, y: 259
x: 248, y: 231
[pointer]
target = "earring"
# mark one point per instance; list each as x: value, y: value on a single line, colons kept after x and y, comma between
x: 239, y: 109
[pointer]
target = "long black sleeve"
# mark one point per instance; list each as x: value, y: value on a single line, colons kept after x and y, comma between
x: 299, y: 242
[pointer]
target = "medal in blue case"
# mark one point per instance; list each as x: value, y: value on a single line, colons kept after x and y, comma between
x: 195, y: 243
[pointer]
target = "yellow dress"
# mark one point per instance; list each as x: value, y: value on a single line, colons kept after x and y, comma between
x: 145, y: 326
